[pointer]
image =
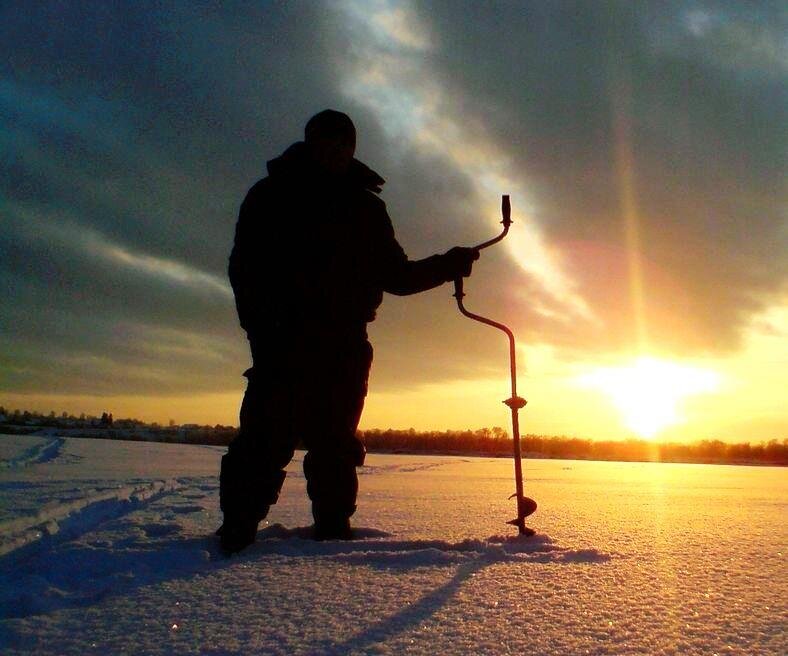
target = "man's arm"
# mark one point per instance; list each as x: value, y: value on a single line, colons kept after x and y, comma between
x: 402, y: 276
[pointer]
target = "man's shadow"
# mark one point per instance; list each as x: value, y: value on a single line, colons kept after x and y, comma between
x: 408, y: 617
x: 78, y: 574
x: 470, y: 556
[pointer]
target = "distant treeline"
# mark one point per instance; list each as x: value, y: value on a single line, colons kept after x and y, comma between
x: 496, y: 442
x: 493, y: 442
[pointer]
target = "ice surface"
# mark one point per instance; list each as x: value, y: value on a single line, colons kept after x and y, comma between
x: 107, y: 547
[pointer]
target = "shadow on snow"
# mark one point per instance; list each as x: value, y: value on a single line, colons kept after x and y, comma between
x: 83, y: 573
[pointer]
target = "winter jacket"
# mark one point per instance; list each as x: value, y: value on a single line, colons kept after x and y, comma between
x: 314, y: 253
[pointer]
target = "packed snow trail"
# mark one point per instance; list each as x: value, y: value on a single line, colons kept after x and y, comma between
x: 36, y: 454
x: 103, y: 544
x: 62, y: 521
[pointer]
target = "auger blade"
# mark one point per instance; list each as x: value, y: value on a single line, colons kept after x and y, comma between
x: 527, y: 506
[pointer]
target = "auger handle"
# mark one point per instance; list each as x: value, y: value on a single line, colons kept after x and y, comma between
x: 506, y: 213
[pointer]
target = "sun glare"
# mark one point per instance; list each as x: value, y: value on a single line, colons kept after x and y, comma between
x: 648, y: 392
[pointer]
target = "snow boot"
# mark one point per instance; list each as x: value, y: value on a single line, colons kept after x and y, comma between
x: 260, y: 517
x: 236, y: 534
x: 333, y: 529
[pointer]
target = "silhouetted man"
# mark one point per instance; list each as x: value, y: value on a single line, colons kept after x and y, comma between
x: 314, y: 251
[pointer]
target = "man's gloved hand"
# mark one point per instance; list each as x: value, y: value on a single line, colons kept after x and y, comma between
x: 459, y: 262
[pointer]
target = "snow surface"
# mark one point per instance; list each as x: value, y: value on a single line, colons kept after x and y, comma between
x: 106, y: 547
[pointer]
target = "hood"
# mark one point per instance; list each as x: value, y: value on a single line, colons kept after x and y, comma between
x: 295, y: 163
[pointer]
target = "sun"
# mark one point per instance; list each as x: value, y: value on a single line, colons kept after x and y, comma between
x: 648, y: 392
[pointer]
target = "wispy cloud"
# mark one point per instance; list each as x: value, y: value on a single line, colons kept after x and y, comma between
x: 170, y: 270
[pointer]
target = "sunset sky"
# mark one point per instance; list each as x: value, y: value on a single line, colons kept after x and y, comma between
x: 643, y: 145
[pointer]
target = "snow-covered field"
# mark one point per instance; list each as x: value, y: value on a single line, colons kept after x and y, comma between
x: 107, y: 548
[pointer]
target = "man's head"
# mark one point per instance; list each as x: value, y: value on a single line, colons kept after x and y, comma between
x: 330, y: 137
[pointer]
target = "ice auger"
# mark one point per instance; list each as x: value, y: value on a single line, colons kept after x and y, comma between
x: 525, y: 506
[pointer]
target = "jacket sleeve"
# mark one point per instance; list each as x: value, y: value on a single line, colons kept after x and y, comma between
x: 402, y: 276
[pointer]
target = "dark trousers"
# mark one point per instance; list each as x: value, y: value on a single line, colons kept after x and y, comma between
x: 313, y: 392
